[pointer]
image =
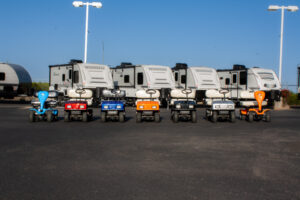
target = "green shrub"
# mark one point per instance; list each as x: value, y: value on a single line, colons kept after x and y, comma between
x: 37, y: 86
x: 293, y: 99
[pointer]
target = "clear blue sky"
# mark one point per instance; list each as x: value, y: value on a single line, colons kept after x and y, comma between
x: 213, y: 33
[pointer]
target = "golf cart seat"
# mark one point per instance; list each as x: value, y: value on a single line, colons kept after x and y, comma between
x: 251, y: 103
x: 143, y: 94
x: 180, y: 94
x: 113, y: 93
x: 80, y: 93
x: 216, y: 94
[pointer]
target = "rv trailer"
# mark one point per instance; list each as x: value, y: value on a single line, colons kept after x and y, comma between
x: 132, y: 78
x: 14, y: 80
x: 241, y: 79
x: 199, y: 78
x: 76, y: 74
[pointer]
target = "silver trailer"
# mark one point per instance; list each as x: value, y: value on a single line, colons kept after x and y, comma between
x: 76, y: 74
x: 240, y: 79
x: 132, y: 78
x: 198, y: 78
x: 14, y: 80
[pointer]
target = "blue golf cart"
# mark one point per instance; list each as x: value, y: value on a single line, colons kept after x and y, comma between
x: 112, y: 106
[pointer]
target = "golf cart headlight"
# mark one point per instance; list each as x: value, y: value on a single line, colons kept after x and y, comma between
x: 69, y: 106
x: 119, y: 107
x: 105, y: 107
x: 141, y: 107
x: 191, y: 106
x: 218, y: 106
x: 154, y: 107
x: 81, y: 106
x: 178, y: 106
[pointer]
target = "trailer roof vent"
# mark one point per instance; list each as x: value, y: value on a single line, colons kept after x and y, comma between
x: 181, y: 66
x: 74, y: 61
x: 238, y: 67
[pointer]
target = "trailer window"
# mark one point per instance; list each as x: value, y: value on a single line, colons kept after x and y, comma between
x: 227, y: 81
x: 243, y: 78
x: 183, y: 79
x: 2, y: 76
x: 70, y: 74
x: 63, y: 77
x: 76, y: 77
x: 140, y: 78
x: 234, y: 78
x: 176, y: 76
x: 126, y: 79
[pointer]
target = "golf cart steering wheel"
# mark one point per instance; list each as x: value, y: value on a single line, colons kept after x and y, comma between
x: 224, y: 91
x: 80, y: 91
x: 150, y: 91
x: 115, y: 91
x: 187, y: 91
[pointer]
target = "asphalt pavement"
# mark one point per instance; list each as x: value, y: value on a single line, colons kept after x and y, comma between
x: 159, y: 161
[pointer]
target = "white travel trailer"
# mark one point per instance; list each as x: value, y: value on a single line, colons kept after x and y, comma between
x: 14, y: 80
x: 76, y: 74
x: 200, y: 79
x: 241, y: 79
x: 132, y: 78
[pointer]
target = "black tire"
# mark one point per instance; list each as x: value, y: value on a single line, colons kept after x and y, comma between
x: 214, y: 117
x: 175, y: 117
x: 121, y: 117
x: 250, y: 117
x: 49, y: 116
x: 156, y: 117
x: 138, y: 117
x: 268, y: 117
x: 103, y: 116
x: 66, y: 116
x: 232, y: 116
x: 31, y: 116
x: 194, y: 116
x: 84, y: 117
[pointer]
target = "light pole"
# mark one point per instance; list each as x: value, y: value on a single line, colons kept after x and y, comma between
x: 275, y: 8
x: 87, y: 4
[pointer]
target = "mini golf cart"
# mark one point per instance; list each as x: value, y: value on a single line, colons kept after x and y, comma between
x: 220, y: 108
x: 256, y: 113
x: 147, y: 105
x: 43, y: 109
x: 78, y: 106
x: 183, y: 105
x: 113, y: 107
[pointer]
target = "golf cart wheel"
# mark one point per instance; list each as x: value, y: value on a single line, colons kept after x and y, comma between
x: 84, y: 117
x: 250, y: 117
x: 138, y: 117
x: 194, y: 116
x: 31, y: 116
x: 121, y: 117
x: 175, y: 117
x: 49, y: 116
x: 103, y: 116
x: 232, y: 116
x: 156, y: 117
x: 268, y: 117
x: 214, y: 117
x: 66, y: 116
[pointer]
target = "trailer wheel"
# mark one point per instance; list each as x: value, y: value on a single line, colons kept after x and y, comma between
x: 232, y: 116
x: 250, y: 117
x: 156, y: 117
x: 214, y: 117
x: 84, y: 117
x: 138, y: 117
x: 194, y: 116
x: 175, y: 117
x: 31, y: 116
x: 268, y: 117
x: 121, y: 117
x: 66, y: 116
x: 103, y: 116
x: 49, y: 116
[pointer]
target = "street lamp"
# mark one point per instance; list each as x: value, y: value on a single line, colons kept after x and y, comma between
x: 275, y: 8
x: 87, y: 4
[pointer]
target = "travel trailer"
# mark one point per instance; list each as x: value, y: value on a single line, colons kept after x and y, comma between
x: 253, y: 79
x: 14, y: 80
x: 76, y: 74
x: 132, y: 78
x: 197, y: 78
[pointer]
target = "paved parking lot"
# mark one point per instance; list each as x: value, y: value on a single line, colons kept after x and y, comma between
x: 149, y: 160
